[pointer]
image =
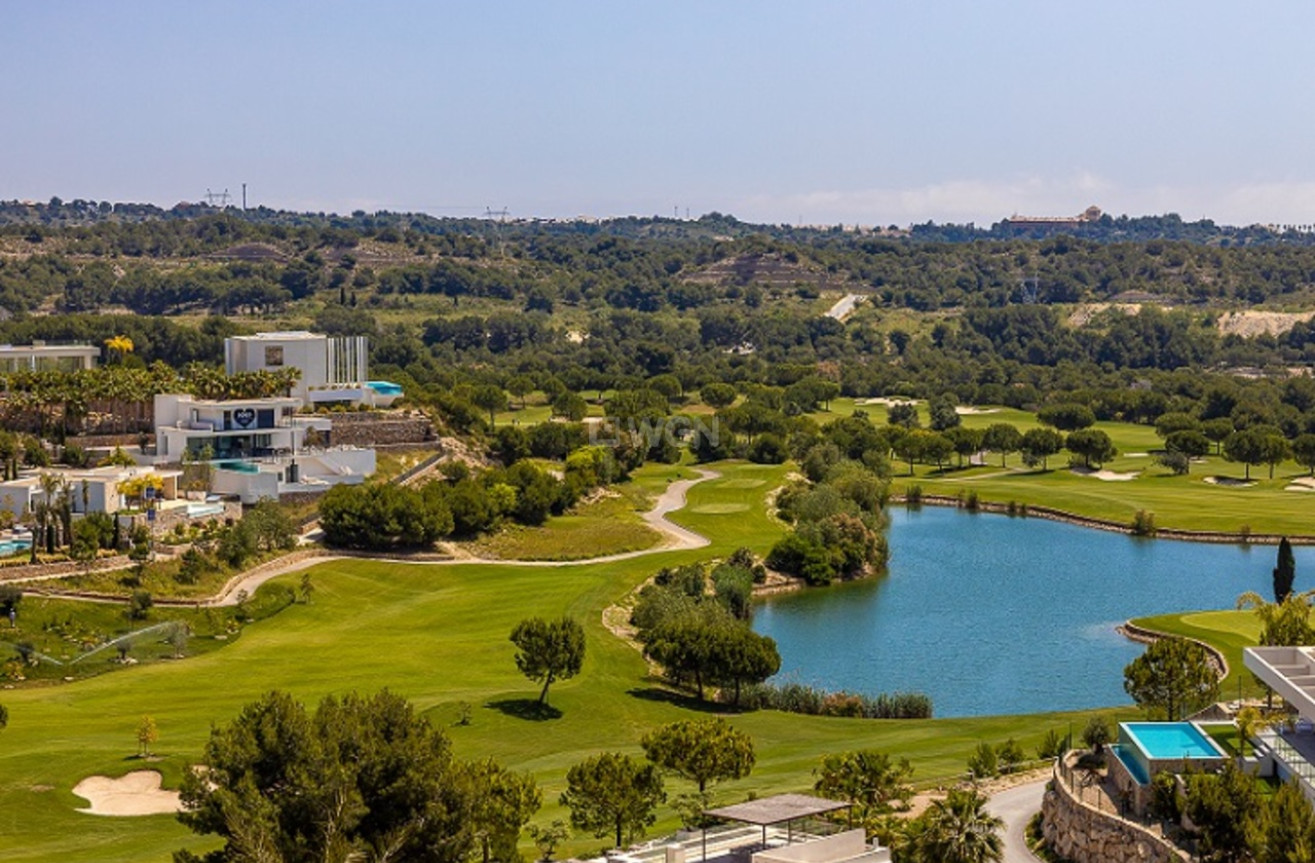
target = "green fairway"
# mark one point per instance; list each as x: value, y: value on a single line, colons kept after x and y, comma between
x: 1184, y: 502
x: 1227, y: 631
x: 437, y: 634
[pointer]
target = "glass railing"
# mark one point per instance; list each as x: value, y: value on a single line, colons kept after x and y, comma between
x: 1292, y: 759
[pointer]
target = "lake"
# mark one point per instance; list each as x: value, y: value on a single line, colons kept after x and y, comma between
x: 990, y: 615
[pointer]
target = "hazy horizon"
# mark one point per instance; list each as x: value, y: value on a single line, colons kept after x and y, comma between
x: 820, y: 113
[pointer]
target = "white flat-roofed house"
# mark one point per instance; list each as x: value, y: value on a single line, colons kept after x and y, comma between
x: 95, y: 489
x: 41, y: 357
x: 1290, y: 672
x: 334, y: 369
x: 260, y: 447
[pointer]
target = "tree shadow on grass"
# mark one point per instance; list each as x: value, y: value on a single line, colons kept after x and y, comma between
x: 525, y: 708
x: 680, y: 699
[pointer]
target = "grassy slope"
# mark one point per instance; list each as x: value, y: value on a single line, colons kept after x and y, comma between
x: 438, y: 636
x: 610, y: 525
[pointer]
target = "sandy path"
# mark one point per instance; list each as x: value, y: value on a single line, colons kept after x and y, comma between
x: 677, y: 538
x: 844, y: 307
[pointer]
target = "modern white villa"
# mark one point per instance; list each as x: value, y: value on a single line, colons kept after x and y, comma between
x: 334, y: 369
x: 1290, y: 672
x: 41, y: 357
x: 260, y: 447
x: 97, y: 489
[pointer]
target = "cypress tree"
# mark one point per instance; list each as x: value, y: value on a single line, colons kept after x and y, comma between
x: 1285, y: 572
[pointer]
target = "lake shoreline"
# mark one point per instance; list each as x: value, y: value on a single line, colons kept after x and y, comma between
x: 1024, y: 510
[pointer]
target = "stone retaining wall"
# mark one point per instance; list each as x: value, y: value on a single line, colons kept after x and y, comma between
x: 375, y: 429
x: 1079, y: 832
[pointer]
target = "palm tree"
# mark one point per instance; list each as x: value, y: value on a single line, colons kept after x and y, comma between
x: 1282, y: 624
x: 960, y: 830
x: 118, y: 347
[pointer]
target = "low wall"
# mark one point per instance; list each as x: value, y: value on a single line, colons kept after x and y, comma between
x: 1141, y: 634
x: 1081, y: 833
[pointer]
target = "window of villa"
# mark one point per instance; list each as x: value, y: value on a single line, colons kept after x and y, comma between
x: 273, y: 355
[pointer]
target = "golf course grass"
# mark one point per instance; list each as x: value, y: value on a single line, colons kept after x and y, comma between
x: 437, y: 634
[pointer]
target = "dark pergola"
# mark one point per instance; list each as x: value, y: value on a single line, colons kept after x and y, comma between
x: 778, y: 809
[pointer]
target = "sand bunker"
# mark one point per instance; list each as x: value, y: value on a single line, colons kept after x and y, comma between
x: 965, y: 411
x: 1105, y: 475
x: 720, y: 508
x: 1304, y: 483
x: 1230, y: 481
x: 137, y: 793
x: 887, y: 402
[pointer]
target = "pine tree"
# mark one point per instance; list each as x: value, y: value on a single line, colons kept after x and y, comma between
x: 1285, y: 572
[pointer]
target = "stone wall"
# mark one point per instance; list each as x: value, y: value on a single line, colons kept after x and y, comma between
x: 1079, y: 832
x: 380, y: 429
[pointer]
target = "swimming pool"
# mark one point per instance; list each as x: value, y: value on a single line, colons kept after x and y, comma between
x: 13, y: 546
x: 1146, y: 748
x: 385, y: 388
x: 237, y: 466
x: 1163, y: 740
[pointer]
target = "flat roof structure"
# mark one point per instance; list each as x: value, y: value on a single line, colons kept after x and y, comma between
x: 777, y: 809
x: 1289, y: 671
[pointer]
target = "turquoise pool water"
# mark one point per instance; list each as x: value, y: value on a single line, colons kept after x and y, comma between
x: 385, y: 388
x: 237, y: 466
x: 1130, y: 761
x: 1171, y: 740
x: 13, y: 546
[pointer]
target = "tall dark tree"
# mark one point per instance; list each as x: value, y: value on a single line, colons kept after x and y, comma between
x: 613, y: 793
x: 702, y: 751
x: 1173, y: 676
x: 1285, y: 572
x: 363, y: 777
x: 548, y: 650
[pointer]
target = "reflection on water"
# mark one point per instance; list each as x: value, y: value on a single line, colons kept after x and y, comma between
x: 989, y: 614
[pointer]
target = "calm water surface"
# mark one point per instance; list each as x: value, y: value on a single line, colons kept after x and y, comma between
x: 989, y: 614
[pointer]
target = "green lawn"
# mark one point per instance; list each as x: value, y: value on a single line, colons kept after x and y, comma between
x: 438, y: 635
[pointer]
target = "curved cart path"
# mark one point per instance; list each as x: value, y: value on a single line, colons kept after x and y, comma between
x: 677, y: 538
x: 1016, y: 806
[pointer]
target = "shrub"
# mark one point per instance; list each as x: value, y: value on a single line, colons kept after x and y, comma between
x: 814, y: 701
x: 139, y: 606
x: 1009, y: 755
x: 913, y: 496
x: 1096, y: 734
x: 1165, y: 803
x: 1143, y: 523
x: 1052, y: 745
x: 972, y: 504
x: 983, y: 763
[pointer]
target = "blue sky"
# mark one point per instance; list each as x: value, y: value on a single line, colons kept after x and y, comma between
x: 876, y: 112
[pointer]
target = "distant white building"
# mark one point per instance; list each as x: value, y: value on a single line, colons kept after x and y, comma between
x: 41, y: 357
x: 333, y: 368
x: 260, y: 447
